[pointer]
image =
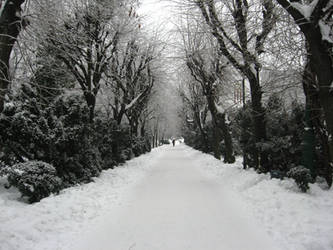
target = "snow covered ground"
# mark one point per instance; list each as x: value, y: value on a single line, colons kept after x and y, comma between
x: 298, y: 221
x: 172, y: 198
x: 56, y: 221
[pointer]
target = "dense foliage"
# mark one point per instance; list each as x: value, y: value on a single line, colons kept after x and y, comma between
x: 194, y: 138
x: 284, y: 131
x: 61, y: 135
x: 82, y: 99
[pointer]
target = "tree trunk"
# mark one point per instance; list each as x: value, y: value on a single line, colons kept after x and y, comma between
x: 322, y: 64
x: 119, y: 115
x: 91, y: 102
x: 153, y: 141
x: 10, y: 27
x: 216, y: 143
x: 312, y: 102
x: 143, y: 130
x: 203, y: 133
x: 220, y: 131
x: 216, y: 131
x: 320, y: 59
x: 229, y: 156
x: 134, y: 127
x: 260, y: 157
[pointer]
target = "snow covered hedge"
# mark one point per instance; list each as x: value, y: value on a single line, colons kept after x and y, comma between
x: 284, y: 145
x: 60, y: 134
x: 34, y: 179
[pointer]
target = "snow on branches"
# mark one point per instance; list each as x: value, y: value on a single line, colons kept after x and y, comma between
x: 316, y: 13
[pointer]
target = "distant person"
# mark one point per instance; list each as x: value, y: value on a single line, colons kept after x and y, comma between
x: 173, y: 142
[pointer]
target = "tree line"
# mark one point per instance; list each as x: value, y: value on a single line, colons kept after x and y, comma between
x: 77, y: 84
x: 267, y: 48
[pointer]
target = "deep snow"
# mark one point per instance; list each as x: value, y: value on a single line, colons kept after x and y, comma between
x: 172, y: 198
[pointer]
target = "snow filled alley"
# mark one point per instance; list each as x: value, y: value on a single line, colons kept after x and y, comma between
x: 172, y: 198
x: 177, y: 207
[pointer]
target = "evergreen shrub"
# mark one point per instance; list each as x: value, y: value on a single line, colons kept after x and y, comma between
x: 34, y: 179
x: 302, y: 177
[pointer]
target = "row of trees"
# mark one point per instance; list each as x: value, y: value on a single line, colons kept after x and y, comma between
x: 225, y: 42
x: 76, y: 92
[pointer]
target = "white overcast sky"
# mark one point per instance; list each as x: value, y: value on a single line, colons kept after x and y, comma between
x: 157, y: 13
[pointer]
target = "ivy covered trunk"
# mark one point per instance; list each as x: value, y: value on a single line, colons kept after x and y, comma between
x: 322, y: 64
x: 315, y: 113
x: 10, y: 26
x: 319, y: 48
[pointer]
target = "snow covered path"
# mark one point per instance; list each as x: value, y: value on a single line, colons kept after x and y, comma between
x: 172, y: 198
x: 177, y: 207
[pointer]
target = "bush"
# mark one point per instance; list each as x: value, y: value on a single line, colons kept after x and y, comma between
x: 59, y: 135
x: 112, y: 140
x: 125, y: 155
x: 140, y: 145
x: 284, y: 135
x: 194, y: 138
x: 302, y: 177
x: 34, y: 179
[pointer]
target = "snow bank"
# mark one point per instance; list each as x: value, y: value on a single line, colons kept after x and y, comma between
x: 296, y: 220
x: 53, y: 222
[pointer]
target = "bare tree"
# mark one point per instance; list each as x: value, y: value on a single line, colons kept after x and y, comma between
x: 85, y: 42
x: 209, y: 74
x: 131, y: 79
x: 139, y: 97
x: 196, y: 108
x: 235, y: 25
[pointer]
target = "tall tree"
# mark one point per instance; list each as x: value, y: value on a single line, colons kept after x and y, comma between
x: 209, y: 77
x: 315, y: 126
x: 131, y: 79
x: 85, y: 42
x: 314, y: 18
x: 241, y: 41
x: 195, y: 108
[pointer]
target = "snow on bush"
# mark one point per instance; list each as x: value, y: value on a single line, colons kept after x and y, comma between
x: 60, y: 134
x: 34, y: 179
x: 9, y: 108
x: 302, y: 177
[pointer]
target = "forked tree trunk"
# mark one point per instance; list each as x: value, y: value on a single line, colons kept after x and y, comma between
x: 220, y: 132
